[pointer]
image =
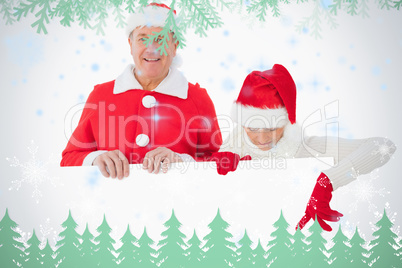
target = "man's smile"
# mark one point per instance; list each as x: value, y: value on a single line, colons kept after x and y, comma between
x: 151, y: 60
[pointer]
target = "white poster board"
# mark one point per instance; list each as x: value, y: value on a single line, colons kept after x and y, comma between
x: 250, y: 198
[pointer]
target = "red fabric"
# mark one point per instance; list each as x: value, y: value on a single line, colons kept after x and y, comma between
x: 161, y: 5
x: 113, y: 121
x: 318, y: 205
x: 270, y: 89
x: 227, y: 161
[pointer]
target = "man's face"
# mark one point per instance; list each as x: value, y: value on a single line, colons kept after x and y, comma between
x: 150, y: 65
x: 264, y: 138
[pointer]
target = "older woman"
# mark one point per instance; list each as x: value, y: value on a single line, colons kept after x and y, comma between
x: 265, y: 112
x: 150, y: 114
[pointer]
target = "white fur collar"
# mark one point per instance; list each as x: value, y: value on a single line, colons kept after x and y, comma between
x: 287, y: 147
x: 174, y: 84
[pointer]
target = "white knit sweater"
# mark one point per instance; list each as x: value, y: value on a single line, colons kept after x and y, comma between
x: 351, y: 157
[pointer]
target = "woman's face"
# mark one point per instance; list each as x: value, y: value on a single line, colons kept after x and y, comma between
x: 264, y: 138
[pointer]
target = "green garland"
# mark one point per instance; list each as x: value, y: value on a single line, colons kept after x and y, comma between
x: 198, y: 15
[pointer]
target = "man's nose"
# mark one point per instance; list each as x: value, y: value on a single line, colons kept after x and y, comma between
x: 264, y: 136
x: 152, y: 46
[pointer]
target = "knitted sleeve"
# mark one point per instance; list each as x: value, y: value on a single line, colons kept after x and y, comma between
x: 352, y: 157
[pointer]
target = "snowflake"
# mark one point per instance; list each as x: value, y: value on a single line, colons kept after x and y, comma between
x: 34, y: 172
x: 384, y: 149
x: 88, y: 206
x: 364, y: 191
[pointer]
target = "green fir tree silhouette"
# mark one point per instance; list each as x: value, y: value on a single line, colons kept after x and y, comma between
x: 316, y: 248
x: 11, y: 250
x: 340, y: 252
x: 68, y: 254
x: 245, y: 252
x: 87, y: 249
x: 104, y: 248
x: 383, y: 252
x: 33, y: 256
x: 128, y: 250
x: 146, y: 253
x: 358, y: 254
x: 171, y: 252
x: 259, y: 256
x: 299, y: 249
x: 219, y: 250
x: 194, y: 253
x: 47, y: 253
x: 279, y: 251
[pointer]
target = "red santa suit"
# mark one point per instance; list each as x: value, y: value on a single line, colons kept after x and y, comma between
x: 121, y: 115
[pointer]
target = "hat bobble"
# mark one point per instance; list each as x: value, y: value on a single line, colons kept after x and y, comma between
x: 266, y: 100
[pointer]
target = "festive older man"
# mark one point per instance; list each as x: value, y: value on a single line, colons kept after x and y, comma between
x: 150, y: 114
x: 265, y: 112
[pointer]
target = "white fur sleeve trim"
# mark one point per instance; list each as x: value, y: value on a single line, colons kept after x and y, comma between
x: 186, y: 157
x: 259, y: 118
x: 89, y: 159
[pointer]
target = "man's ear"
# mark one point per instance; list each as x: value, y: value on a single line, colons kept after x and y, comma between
x: 175, y: 41
x: 175, y: 44
x: 130, y: 44
x: 175, y: 47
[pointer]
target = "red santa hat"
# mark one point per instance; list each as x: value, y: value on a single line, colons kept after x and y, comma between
x: 152, y: 15
x: 266, y: 100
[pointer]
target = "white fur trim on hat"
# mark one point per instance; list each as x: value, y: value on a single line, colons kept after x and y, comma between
x: 149, y: 16
x: 249, y: 116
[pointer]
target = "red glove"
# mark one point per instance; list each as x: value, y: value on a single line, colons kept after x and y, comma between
x: 227, y: 161
x: 318, y: 205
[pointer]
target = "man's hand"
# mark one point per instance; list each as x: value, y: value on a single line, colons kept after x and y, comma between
x: 114, y: 163
x: 160, y: 157
x: 318, y: 205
